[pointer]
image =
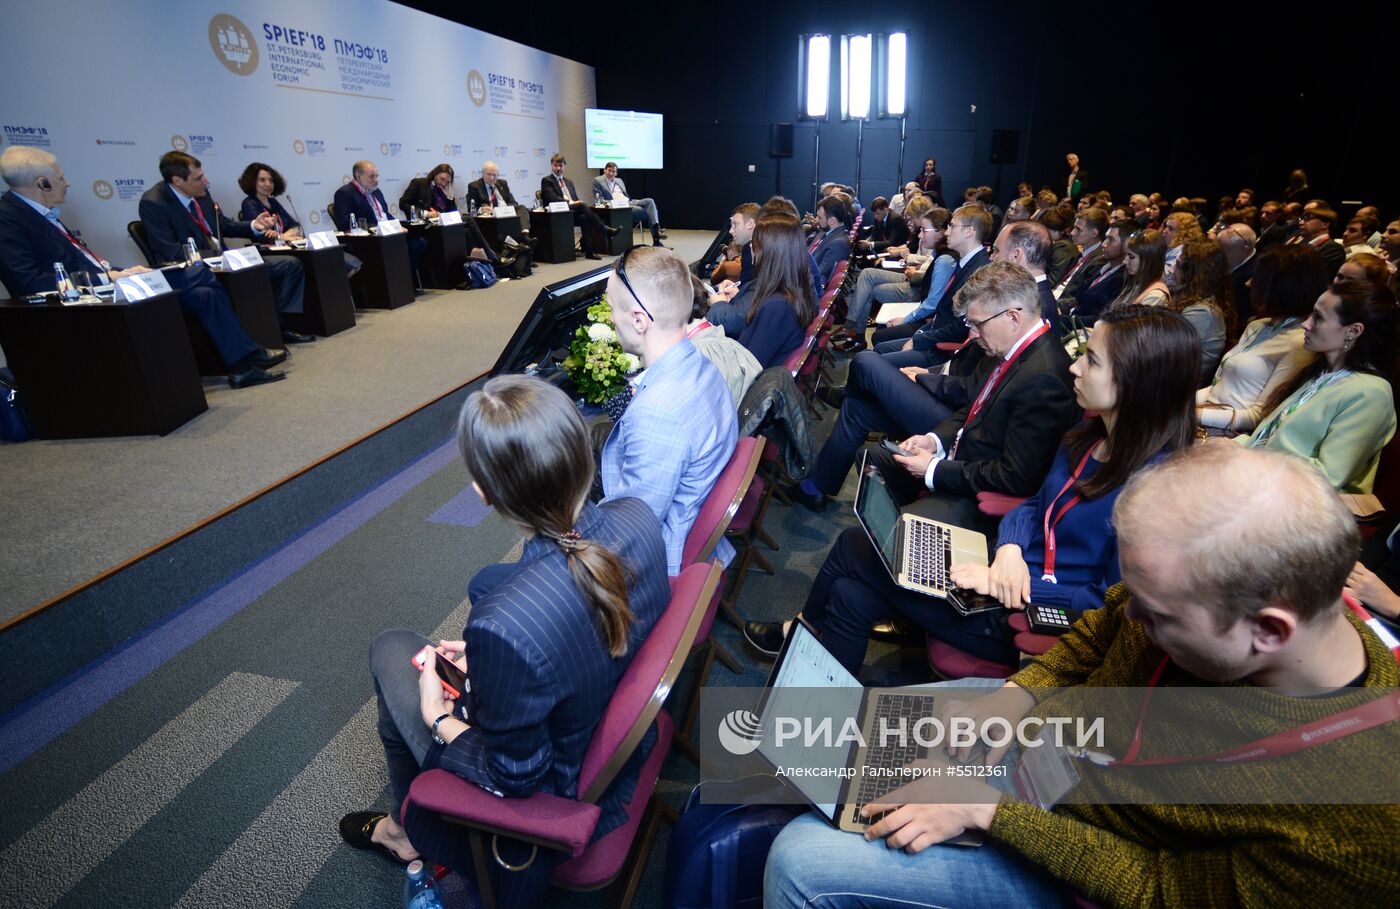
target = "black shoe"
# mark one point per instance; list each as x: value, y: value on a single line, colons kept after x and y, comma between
x: 800, y: 496
x: 613, y: 231
x: 592, y: 256
x: 765, y: 637
x: 832, y: 395
x: 894, y: 631
x: 265, y: 358
x: 296, y: 337
x: 253, y: 376
x: 849, y: 345
x: 357, y: 829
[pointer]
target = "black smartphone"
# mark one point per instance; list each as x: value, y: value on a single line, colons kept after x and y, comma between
x: 893, y: 448
x: 1048, y: 619
x: 453, y: 679
x: 970, y: 602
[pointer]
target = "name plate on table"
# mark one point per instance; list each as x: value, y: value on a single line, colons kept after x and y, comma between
x: 619, y: 203
x: 450, y: 217
x: 508, y: 211
x: 558, y: 206
x: 239, y: 259
x: 141, y: 287
x: 322, y: 239
x: 390, y: 226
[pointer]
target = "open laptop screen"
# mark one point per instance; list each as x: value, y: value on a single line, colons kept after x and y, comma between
x: 878, y: 513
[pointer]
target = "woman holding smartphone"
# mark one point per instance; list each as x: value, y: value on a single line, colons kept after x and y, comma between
x: 547, y: 639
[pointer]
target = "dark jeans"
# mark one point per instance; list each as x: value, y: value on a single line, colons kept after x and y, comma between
x: 879, y: 398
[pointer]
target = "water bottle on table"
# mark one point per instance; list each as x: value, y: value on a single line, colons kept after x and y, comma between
x: 419, y: 889
x: 67, y: 290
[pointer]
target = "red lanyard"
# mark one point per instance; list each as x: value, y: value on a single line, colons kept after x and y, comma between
x: 1103, y: 274
x: 1280, y: 744
x: 374, y: 203
x: 698, y: 327
x: 199, y: 217
x: 1052, y: 517
x: 993, y: 381
x: 1375, y: 624
x: 82, y: 248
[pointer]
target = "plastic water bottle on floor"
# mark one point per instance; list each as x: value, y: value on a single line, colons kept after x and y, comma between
x: 419, y: 889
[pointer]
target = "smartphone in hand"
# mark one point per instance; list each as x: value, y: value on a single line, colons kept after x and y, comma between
x: 453, y: 679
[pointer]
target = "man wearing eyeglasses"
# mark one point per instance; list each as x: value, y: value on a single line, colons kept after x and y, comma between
x: 680, y: 428
x: 1315, y: 229
x: 1237, y: 243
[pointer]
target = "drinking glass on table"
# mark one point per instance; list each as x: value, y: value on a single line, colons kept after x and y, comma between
x: 82, y: 279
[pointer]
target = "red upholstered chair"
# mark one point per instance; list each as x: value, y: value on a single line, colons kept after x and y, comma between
x: 997, y: 504
x: 1027, y: 641
x: 746, y: 528
x: 952, y: 663
x: 550, y: 822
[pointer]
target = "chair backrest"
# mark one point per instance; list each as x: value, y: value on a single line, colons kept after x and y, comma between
x: 647, y: 681
x: 137, y: 231
x: 795, y: 360
x: 330, y: 210
x: 723, y: 502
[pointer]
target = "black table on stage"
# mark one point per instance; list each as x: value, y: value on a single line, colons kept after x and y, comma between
x: 328, y: 307
x: 618, y: 243
x: 386, y: 280
x: 555, y: 232
x: 443, y: 265
x: 495, y: 230
x: 109, y: 369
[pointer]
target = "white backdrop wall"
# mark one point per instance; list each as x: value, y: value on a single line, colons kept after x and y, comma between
x: 307, y: 86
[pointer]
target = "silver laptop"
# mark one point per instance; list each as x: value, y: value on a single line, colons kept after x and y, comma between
x: 917, y: 552
x: 805, y: 669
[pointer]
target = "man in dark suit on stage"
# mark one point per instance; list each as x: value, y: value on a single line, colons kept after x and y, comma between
x: 491, y: 191
x: 179, y: 208
x: 362, y: 198
x: 559, y: 188
x: 32, y: 239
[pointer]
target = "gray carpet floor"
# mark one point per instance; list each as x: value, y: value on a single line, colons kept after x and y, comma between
x: 74, y: 509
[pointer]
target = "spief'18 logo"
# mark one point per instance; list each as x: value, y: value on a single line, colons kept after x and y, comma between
x: 102, y: 189
x: 233, y: 44
x: 299, y: 146
x: 180, y: 143
x: 476, y: 88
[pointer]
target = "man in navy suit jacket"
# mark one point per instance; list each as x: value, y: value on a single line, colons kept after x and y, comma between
x: 559, y: 188
x: 362, y: 198
x: 834, y: 247
x: 32, y: 239
x: 179, y: 208
x: 968, y: 232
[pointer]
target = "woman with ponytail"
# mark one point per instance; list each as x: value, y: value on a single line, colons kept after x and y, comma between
x: 546, y: 641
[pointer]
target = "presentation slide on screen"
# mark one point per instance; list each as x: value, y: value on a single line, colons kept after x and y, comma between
x: 307, y: 87
x: 630, y: 139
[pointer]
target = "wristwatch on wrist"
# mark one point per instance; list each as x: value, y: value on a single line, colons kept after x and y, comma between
x: 437, y: 736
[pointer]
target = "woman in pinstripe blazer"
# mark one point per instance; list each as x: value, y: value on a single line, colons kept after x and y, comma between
x: 547, y: 639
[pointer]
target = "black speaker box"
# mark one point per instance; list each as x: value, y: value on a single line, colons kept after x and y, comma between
x: 780, y: 140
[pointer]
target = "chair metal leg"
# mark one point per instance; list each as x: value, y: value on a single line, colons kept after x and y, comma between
x: 725, y: 657
x: 767, y: 540
x: 646, y: 835
x: 485, y: 887
x: 758, y: 557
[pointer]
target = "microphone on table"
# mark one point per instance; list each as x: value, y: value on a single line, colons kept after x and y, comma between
x: 288, y: 197
x: 218, y: 226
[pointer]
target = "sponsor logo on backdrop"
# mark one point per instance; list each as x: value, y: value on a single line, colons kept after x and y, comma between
x: 452, y: 151
x: 130, y: 189
x: 499, y: 150
x: 476, y: 88
x: 22, y: 134
x: 179, y: 143
x: 344, y: 179
x: 233, y: 44
x: 299, y: 146
x: 116, y: 142
x: 539, y: 152
x: 247, y: 145
x: 315, y: 217
x: 421, y: 151
x: 392, y: 149
x: 199, y: 145
x: 354, y: 148
x: 102, y: 190
x: 522, y: 174
x: 312, y: 148
x: 383, y: 148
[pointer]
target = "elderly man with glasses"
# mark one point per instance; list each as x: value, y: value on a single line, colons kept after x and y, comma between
x: 680, y: 428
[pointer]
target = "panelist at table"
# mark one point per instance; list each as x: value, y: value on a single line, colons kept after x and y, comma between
x: 608, y: 187
x: 179, y: 208
x: 559, y: 188
x: 362, y: 198
x: 491, y: 191
x: 432, y: 195
x: 32, y: 239
x: 263, y: 185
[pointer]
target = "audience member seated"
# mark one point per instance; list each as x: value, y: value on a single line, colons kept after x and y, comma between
x: 179, y: 209
x: 1239, y: 244
x: 559, y: 188
x: 263, y: 185
x: 1179, y: 228
x: 1339, y: 411
x: 833, y: 243
x: 937, y: 279
x: 1272, y: 231
x: 680, y: 428
x: 781, y: 303
x: 608, y: 187
x: 361, y: 201
x: 1020, y: 209
x: 969, y: 231
x: 32, y: 239
x: 1027, y: 244
x: 1356, y: 236
x: 547, y: 640
x: 731, y: 277
x: 1143, y: 260
x: 731, y: 358
x: 1105, y: 282
x: 1090, y: 225
x: 1215, y: 601
x: 1315, y: 229
x: 1364, y: 266
x: 1374, y: 585
x: 882, y: 228
x: 897, y: 204
x: 883, y: 285
x: 1018, y: 406
x: 1137, y: 376
x: 986, y: 197
x: 1202, y: 295
x: 1287, y: 281
x: 1064, y: 253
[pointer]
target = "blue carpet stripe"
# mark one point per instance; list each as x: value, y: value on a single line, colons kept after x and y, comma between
x: 49, y: 714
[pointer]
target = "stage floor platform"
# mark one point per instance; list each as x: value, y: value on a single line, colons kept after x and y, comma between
x: 75, y: 510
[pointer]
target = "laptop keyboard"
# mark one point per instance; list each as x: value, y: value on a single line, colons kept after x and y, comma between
x: 894, y: 708
x: 927, y: 554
